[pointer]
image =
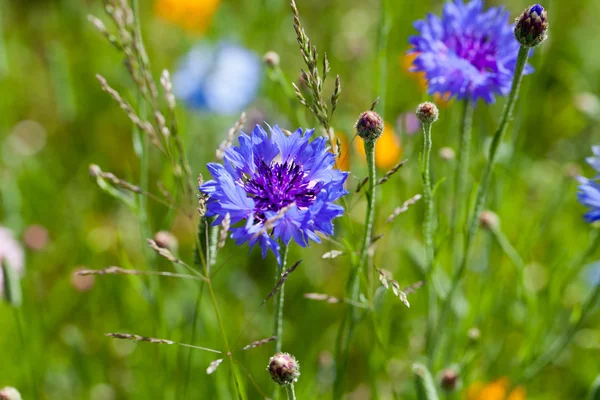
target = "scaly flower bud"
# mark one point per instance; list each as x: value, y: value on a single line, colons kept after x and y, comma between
x: 531, y: 28
x: 427, y: 113
x: 284, y: 369
x: 369, y: 126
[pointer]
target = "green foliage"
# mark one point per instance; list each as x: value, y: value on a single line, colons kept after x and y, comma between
x: 56, y: 121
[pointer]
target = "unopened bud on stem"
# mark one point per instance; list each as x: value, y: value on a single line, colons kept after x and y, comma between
x: 427, y: 113
x: 284, y: 369
x: 369, y: 125
x: 532, y: 27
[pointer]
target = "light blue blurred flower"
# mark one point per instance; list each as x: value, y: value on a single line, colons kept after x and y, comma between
x: 589, y: 189
x: 222, y: 78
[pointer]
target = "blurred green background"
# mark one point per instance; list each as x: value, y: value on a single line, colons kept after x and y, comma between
x: 55, y: 121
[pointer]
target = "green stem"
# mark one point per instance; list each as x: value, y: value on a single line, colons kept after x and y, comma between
x: 428, y: 226
x: 278, y: 314
x: 483, y: 189
x: 291, y: 393
x: 427, y: 198
x: 462, y: 172
x: 223, y: 334
x: 278, y: 323
x: 352, y: 316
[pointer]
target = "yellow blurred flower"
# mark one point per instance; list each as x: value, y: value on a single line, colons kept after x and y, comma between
x: 192, y: 15
x: 343, y: 161
x: 496, y: 390
x: 388, y: 149
x: 406, y: 61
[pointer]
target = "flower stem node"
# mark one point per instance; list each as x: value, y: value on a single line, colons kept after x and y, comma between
x: 532, y: 26
x: 427, y: 113
x: 369, y: 125
x: 284, y: 369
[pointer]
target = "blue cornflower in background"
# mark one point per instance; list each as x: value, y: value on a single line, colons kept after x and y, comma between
x: 469, y: 53
x: 267, y: 174
x: 222, y: 78
x: 589, y: 189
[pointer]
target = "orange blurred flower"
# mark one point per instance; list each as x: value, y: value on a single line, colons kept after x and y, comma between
x: 192, y: 15
x: 496, y: 390
x: 343, y: 161
x: 388, y: 148
x: 406, y: 61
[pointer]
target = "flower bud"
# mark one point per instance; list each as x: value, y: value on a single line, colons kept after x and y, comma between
x: 271, y: 59
x: 449, y: 379
x: 284, y: 369
x: 489, y: 220
x: 369, y: 126
x: 427, y: 113
x: 9, y: 393
x: 531, y: 28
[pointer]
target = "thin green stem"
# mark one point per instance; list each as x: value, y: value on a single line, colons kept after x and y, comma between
x: 27, y: 349
x: 459, y: 204
x: 427, y: 197
x: 278, y: 323
x: 353, y: 314
x: 224, y: 335
x: 483, y: 189
x: 291, y: 393
x: 193, y: 339
x: 278, y: 313
x: 428, y: 226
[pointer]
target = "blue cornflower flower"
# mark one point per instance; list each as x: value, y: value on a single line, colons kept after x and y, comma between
x: 222, y: 78
x: 589, y: 189
x: 282, y: 186
x: 467, y: 53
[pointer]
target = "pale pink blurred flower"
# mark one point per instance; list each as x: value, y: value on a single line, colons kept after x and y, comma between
x: 82, y: 283
x: 11, y: 254
x: 36, y: 237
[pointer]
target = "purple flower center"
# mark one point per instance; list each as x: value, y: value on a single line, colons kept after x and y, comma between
x: 278, y: 185
x: 480, y: 51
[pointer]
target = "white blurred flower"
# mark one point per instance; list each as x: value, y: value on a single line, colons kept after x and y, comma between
x: 11, y: 254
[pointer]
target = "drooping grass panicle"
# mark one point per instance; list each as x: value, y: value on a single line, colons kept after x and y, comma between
x: 385, y: 277
x: 281, y: 281
x: 121, y: 271
x: 138, y: 338
x: 391, y: 172
x: 403, y: 208
x: 163, y: 134
x: 258, y: 343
